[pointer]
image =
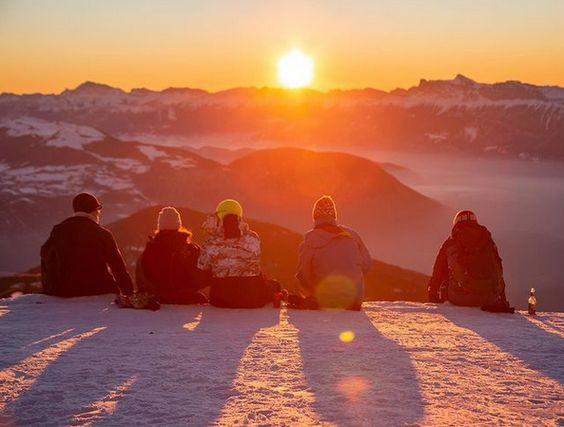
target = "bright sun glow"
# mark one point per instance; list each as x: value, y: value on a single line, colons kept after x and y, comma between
x: 295, y: 69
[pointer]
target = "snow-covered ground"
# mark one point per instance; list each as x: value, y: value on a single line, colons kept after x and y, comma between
x: 83, y: 361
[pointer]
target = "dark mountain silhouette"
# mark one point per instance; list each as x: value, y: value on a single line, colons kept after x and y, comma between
x: 279, y: 254
x: 280, y: 185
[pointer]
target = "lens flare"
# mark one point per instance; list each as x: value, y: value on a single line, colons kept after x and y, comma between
x: 353, y: 387
x: 346, y: 336
x: 336, y: 291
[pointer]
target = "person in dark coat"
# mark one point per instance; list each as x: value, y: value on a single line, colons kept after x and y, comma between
x: 167, y: 268
x: 468, y: 269
x: 76, y: 256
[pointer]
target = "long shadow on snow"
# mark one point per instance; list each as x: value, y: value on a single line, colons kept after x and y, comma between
x: 185, y: 376
x: 62, y: 366
x: 368, y: 381
x: 35, y: 322
x: 539, y: 349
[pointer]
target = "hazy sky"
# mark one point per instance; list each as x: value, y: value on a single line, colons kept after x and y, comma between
x: 49, y: 45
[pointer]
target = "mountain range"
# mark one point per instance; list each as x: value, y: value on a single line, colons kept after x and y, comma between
x: 44, y: 164
x: 506, y: 119
x: 187, y: 147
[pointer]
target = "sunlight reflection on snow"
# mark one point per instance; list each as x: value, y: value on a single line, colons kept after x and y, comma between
x: 50, y: 337
x: 99, y: 409
x: 546, y: 327
x: 271, y: 383
x: 194, y: 323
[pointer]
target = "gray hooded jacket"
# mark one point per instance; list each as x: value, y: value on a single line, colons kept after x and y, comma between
x: 330, y: 250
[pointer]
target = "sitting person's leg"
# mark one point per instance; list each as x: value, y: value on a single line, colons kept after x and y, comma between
x: 240, y: 292
x: 185, y: 297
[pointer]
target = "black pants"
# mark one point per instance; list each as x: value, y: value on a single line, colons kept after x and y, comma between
x: 186, y: 295
x: 242, y: 292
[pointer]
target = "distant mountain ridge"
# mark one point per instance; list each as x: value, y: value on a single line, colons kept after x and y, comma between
x: 510, y: 118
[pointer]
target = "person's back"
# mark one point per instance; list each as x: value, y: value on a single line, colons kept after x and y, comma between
x: 468, y: 269
x: 231, y: 255
x: 169, y: 263
x: 76, y: 257
x: 333, y: 260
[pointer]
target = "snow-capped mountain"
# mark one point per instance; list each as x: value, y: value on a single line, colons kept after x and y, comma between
x: 510, y: 118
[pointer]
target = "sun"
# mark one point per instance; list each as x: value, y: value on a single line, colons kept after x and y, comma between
x: 295, y: 69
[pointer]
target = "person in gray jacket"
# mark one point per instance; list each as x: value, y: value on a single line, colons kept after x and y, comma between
x: 332, y: 263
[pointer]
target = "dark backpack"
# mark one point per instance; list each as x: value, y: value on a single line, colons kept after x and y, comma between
x: 474, y: 267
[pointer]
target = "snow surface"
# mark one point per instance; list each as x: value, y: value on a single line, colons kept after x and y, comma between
x: 61, y: 180
x: 57, y: 134
x: 151, y: 152
x: 83, y: 361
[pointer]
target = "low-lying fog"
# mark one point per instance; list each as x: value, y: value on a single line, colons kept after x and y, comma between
x: 521, y: 202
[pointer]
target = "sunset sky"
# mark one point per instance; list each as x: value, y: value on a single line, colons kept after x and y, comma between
x: 50, y: 45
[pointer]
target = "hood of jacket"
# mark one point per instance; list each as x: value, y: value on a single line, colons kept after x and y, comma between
x: 322, y: 236
x: 213, y: 226
x: 471, y: 235
x: 171, y: 237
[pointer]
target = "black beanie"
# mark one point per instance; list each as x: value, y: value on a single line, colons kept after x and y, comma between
x: 85, y: 202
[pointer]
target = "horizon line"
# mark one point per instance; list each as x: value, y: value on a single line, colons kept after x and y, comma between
x: 280, y: 88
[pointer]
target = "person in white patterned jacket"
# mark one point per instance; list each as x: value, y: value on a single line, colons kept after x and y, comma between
x: 231, y: 255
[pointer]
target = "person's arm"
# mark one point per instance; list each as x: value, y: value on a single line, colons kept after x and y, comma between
x: 364, y: 254
x: 204, y: 259
x: 117, y: 265
x: 304, y: 266
x: 503, y: 297
x: 48, y: 267
x: 496, y: 251
x: 196, y: 278
x: 248, y: 251
x: 440, y: 274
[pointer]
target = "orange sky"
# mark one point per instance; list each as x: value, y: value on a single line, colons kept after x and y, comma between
x: 50, y: 45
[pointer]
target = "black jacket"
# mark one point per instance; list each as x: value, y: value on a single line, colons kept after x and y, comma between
x: 76, y: 257
x: 169, y: 267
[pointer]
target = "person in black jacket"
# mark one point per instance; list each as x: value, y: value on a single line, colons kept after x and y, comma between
x: 167, y: 268
x: 468, y: 269
x: 76, y: 256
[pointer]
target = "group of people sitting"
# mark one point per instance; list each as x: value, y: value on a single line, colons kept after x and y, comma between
x: 81, y: 258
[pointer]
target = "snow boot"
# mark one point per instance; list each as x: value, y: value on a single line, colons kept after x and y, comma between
x: 357, y: 306
x: 499, y: 307
x: 141, y: 301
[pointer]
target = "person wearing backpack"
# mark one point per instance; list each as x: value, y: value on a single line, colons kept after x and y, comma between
x: 167, y: 268
x: 468, y: 269
x: 332, y: 262
x: 231, y: 255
